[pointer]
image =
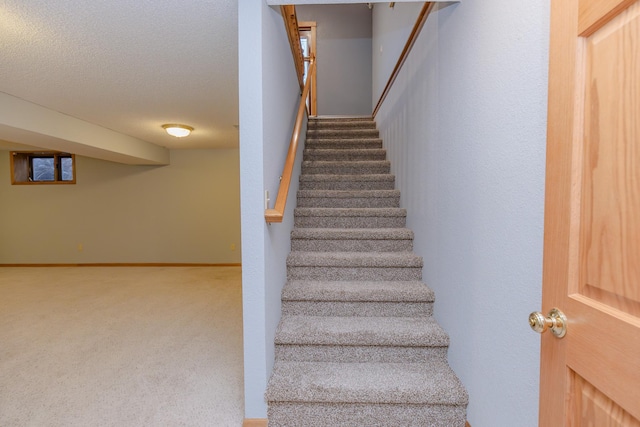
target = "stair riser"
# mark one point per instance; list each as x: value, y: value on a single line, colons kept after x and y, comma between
x: 316, y: 245
x: 346, y: 155
x: 357, y: 308
x: 342, y: 133
x: 296, y: 414
x: 354, y: 118
x: 349, y: 222
x: 347, y: 185
x: 341, y: 144
x: 339, y: 202
x: 355, y: 124
x: 346, y: 169
x: 359, y: 354
x: 353, y: 273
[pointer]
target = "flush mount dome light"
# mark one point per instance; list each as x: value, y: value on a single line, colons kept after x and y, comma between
x: 177, y: 130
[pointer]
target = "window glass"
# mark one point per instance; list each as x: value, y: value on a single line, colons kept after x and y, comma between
x: 66, y: 164
x: 43, y: 168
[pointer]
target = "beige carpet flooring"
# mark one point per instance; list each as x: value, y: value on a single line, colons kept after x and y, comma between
x: 121, y: 346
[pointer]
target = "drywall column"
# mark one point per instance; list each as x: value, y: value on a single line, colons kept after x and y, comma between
x: 465, y: 129
x: 269, y: 96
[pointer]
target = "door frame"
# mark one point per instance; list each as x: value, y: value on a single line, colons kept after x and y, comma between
x: 310, y: 27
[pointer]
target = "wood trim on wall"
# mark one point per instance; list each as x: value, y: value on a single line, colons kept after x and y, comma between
x: 255, y: 422
x: 291, y: 25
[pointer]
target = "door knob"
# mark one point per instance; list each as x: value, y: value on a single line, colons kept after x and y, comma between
x: 555, y: 320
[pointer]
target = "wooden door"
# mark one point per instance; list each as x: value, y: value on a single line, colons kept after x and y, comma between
x: 591, y: 377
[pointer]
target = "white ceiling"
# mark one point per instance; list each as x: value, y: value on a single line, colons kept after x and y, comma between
x: 128, y: 66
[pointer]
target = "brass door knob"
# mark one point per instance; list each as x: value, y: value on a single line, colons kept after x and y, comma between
x: 556, y: 321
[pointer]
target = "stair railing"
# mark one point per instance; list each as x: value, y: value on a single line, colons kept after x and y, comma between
x: 276, y: 214
x: 415, y: 32
x: 293, y: 33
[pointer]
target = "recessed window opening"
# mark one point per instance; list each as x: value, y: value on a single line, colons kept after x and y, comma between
x: 43, y: 167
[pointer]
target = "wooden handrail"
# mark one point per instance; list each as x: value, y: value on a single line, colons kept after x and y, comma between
x: 276, y: 214
x: 417, y: 27
x: 293, y: 33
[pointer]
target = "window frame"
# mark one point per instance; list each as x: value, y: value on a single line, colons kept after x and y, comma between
x: 22, y: 169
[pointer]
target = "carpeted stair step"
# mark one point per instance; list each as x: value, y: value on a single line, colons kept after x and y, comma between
x: 347, y: 133
x: 341, y: 124
x: 342, y: 118
x: 373, y: 167
x: 349, y: 198
x: 360, y: 339
x: 343, y: 144
x: 365, y: 394
x: 344, y: 154
x: 357, y: 298
x: 350, y: 217
x: 347, y: 182
x: 357, y: 344
x: 351, y: 240
x: 354, y: 266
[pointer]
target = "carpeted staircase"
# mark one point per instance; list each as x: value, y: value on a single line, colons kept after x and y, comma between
x: 357, y: 345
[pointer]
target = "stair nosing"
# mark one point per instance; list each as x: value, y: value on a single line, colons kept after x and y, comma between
x: 385, y: 331
x: 426, y: 383
x: 403, y: 259
x: 391, y: 291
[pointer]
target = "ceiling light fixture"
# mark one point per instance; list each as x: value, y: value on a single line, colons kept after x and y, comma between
x: 177, y: 130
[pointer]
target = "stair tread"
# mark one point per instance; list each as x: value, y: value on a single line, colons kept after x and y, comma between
x: 350, y: 212
x: 343, y: 151
x: 357, y: 291
x: 352, y: 330
x: 341, y: 124
x: 352, y: 233
x: 323, y: 141
x: 354, y: 163
x: 345, y: 117
x: 354, y: 259
x: 347, y: 194
x: 342, y: 131
x: 347, y: 177
x: 431, y: 382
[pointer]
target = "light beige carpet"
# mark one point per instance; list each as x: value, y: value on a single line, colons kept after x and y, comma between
x: 121, y: 346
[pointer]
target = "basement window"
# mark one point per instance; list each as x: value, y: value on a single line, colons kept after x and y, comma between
x: 42, y: 167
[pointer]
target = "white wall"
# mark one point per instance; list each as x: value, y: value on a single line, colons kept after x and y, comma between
x: 186, y: 212
x: 393, y: 26
x: 344, y: 57
x: 465, y: 129
x: 269, y: 97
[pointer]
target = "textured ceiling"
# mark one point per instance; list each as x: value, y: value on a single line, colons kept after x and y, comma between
x: 129, y: 66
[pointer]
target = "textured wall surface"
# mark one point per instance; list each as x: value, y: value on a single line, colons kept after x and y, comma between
x: 344, y: 57
x: 393, y: 26
x: 185, y: 212
x: 465, y: 126
x: 269, y: 96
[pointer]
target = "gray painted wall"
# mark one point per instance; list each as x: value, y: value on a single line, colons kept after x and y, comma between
x: 392, y: 28
x: 269, y: 97
x: 344, y: 57
x: 186, y: 212
x: 465, y: 129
